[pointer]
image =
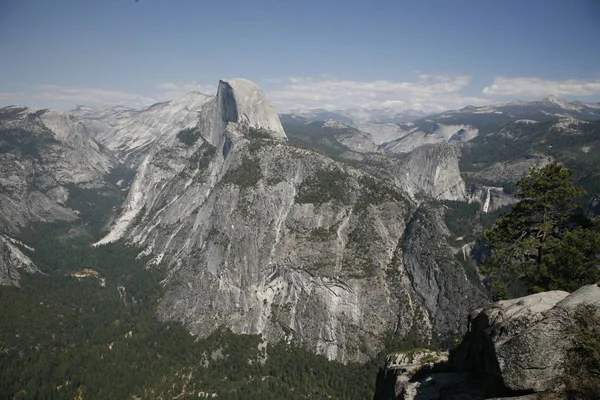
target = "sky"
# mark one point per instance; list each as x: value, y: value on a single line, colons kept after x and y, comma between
x: 425, y: 55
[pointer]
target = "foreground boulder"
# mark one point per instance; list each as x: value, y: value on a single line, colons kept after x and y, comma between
x: 513, y: 349
x: 521, y: 343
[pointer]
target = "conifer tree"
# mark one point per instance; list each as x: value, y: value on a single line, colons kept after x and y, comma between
x: 543, y: 242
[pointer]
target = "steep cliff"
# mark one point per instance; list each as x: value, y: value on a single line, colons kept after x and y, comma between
x: 263, y: 237
x: 435, y: 275
x: 433, y: 171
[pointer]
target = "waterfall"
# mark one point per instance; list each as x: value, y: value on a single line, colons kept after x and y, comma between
x: 486, y: 205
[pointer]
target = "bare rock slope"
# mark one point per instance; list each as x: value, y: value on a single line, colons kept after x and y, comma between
x: 266, y: 238
x: 41, y: 153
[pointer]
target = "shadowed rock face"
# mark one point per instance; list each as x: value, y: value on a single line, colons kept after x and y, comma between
x: 266, y: 238
x: 434, y: 276
x: 246, y: 103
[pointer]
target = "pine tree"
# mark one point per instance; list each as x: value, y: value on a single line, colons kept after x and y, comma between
x: 543, y: 243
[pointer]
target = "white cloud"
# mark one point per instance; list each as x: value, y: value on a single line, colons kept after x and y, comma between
x: 171, y: 91
x: 87, y: 96
x: 11, y: 96
x: 427, y: 92
x: 537, y: 87
x: 60, y: 96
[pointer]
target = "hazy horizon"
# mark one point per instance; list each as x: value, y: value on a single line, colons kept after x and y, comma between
x: 381, y: 54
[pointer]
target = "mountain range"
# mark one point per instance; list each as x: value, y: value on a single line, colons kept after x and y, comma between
x: 332, y: 230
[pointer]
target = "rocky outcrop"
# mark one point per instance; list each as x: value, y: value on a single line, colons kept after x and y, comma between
x: 403, y: 367
x: 266, y: 238
x: 13, y: 261
x: 41, y: 153
x: 521, y: 343
x: 242, y: 101
x: 514, y: 349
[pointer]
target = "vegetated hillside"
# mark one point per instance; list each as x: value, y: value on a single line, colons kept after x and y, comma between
x: 228, y: 226
x: 88, y: 327
x: 469, y: 122
x: 504, y: 155
x: 331, y: 138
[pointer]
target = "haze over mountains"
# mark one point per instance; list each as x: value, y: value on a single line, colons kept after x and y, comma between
x: 328, y: 230
x: 387, y: 125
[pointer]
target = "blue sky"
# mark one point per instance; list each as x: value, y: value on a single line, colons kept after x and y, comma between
x: 427, y: 55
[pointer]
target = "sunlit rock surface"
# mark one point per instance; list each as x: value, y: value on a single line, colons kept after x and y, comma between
x: 263, y: 237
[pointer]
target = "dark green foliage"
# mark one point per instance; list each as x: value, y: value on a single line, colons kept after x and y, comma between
x: 321, y: 138
x: 57, y: 328
x: 94, y: 206
x: 325, y: 185
x: 466, y: 221
x: 485, y: 150
x: 121, y: 173
x: 412, y: 340
x: 459, y: 217
x: 321, y: 234
x: 532, y: 243
x: 574, y: 262
x: 61, y: 336
x: 376, y: 192
x: 202, y: 157
x: 188, y: 136
x: 208, y: 154
x: 582, y: 365
x: 25, y: 142
x: 256, y: 133
x: 246, y: 175
x: 315, y: 136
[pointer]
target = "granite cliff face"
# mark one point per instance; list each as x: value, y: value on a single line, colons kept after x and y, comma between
x: 42, y: 152
x: 433, y: 171
x: 13, y: 261
x: 263, y: 237
x: 434, y: 275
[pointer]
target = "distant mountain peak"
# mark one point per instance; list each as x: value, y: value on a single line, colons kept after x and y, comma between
x: 554, y: 100
x: 191, y: 99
